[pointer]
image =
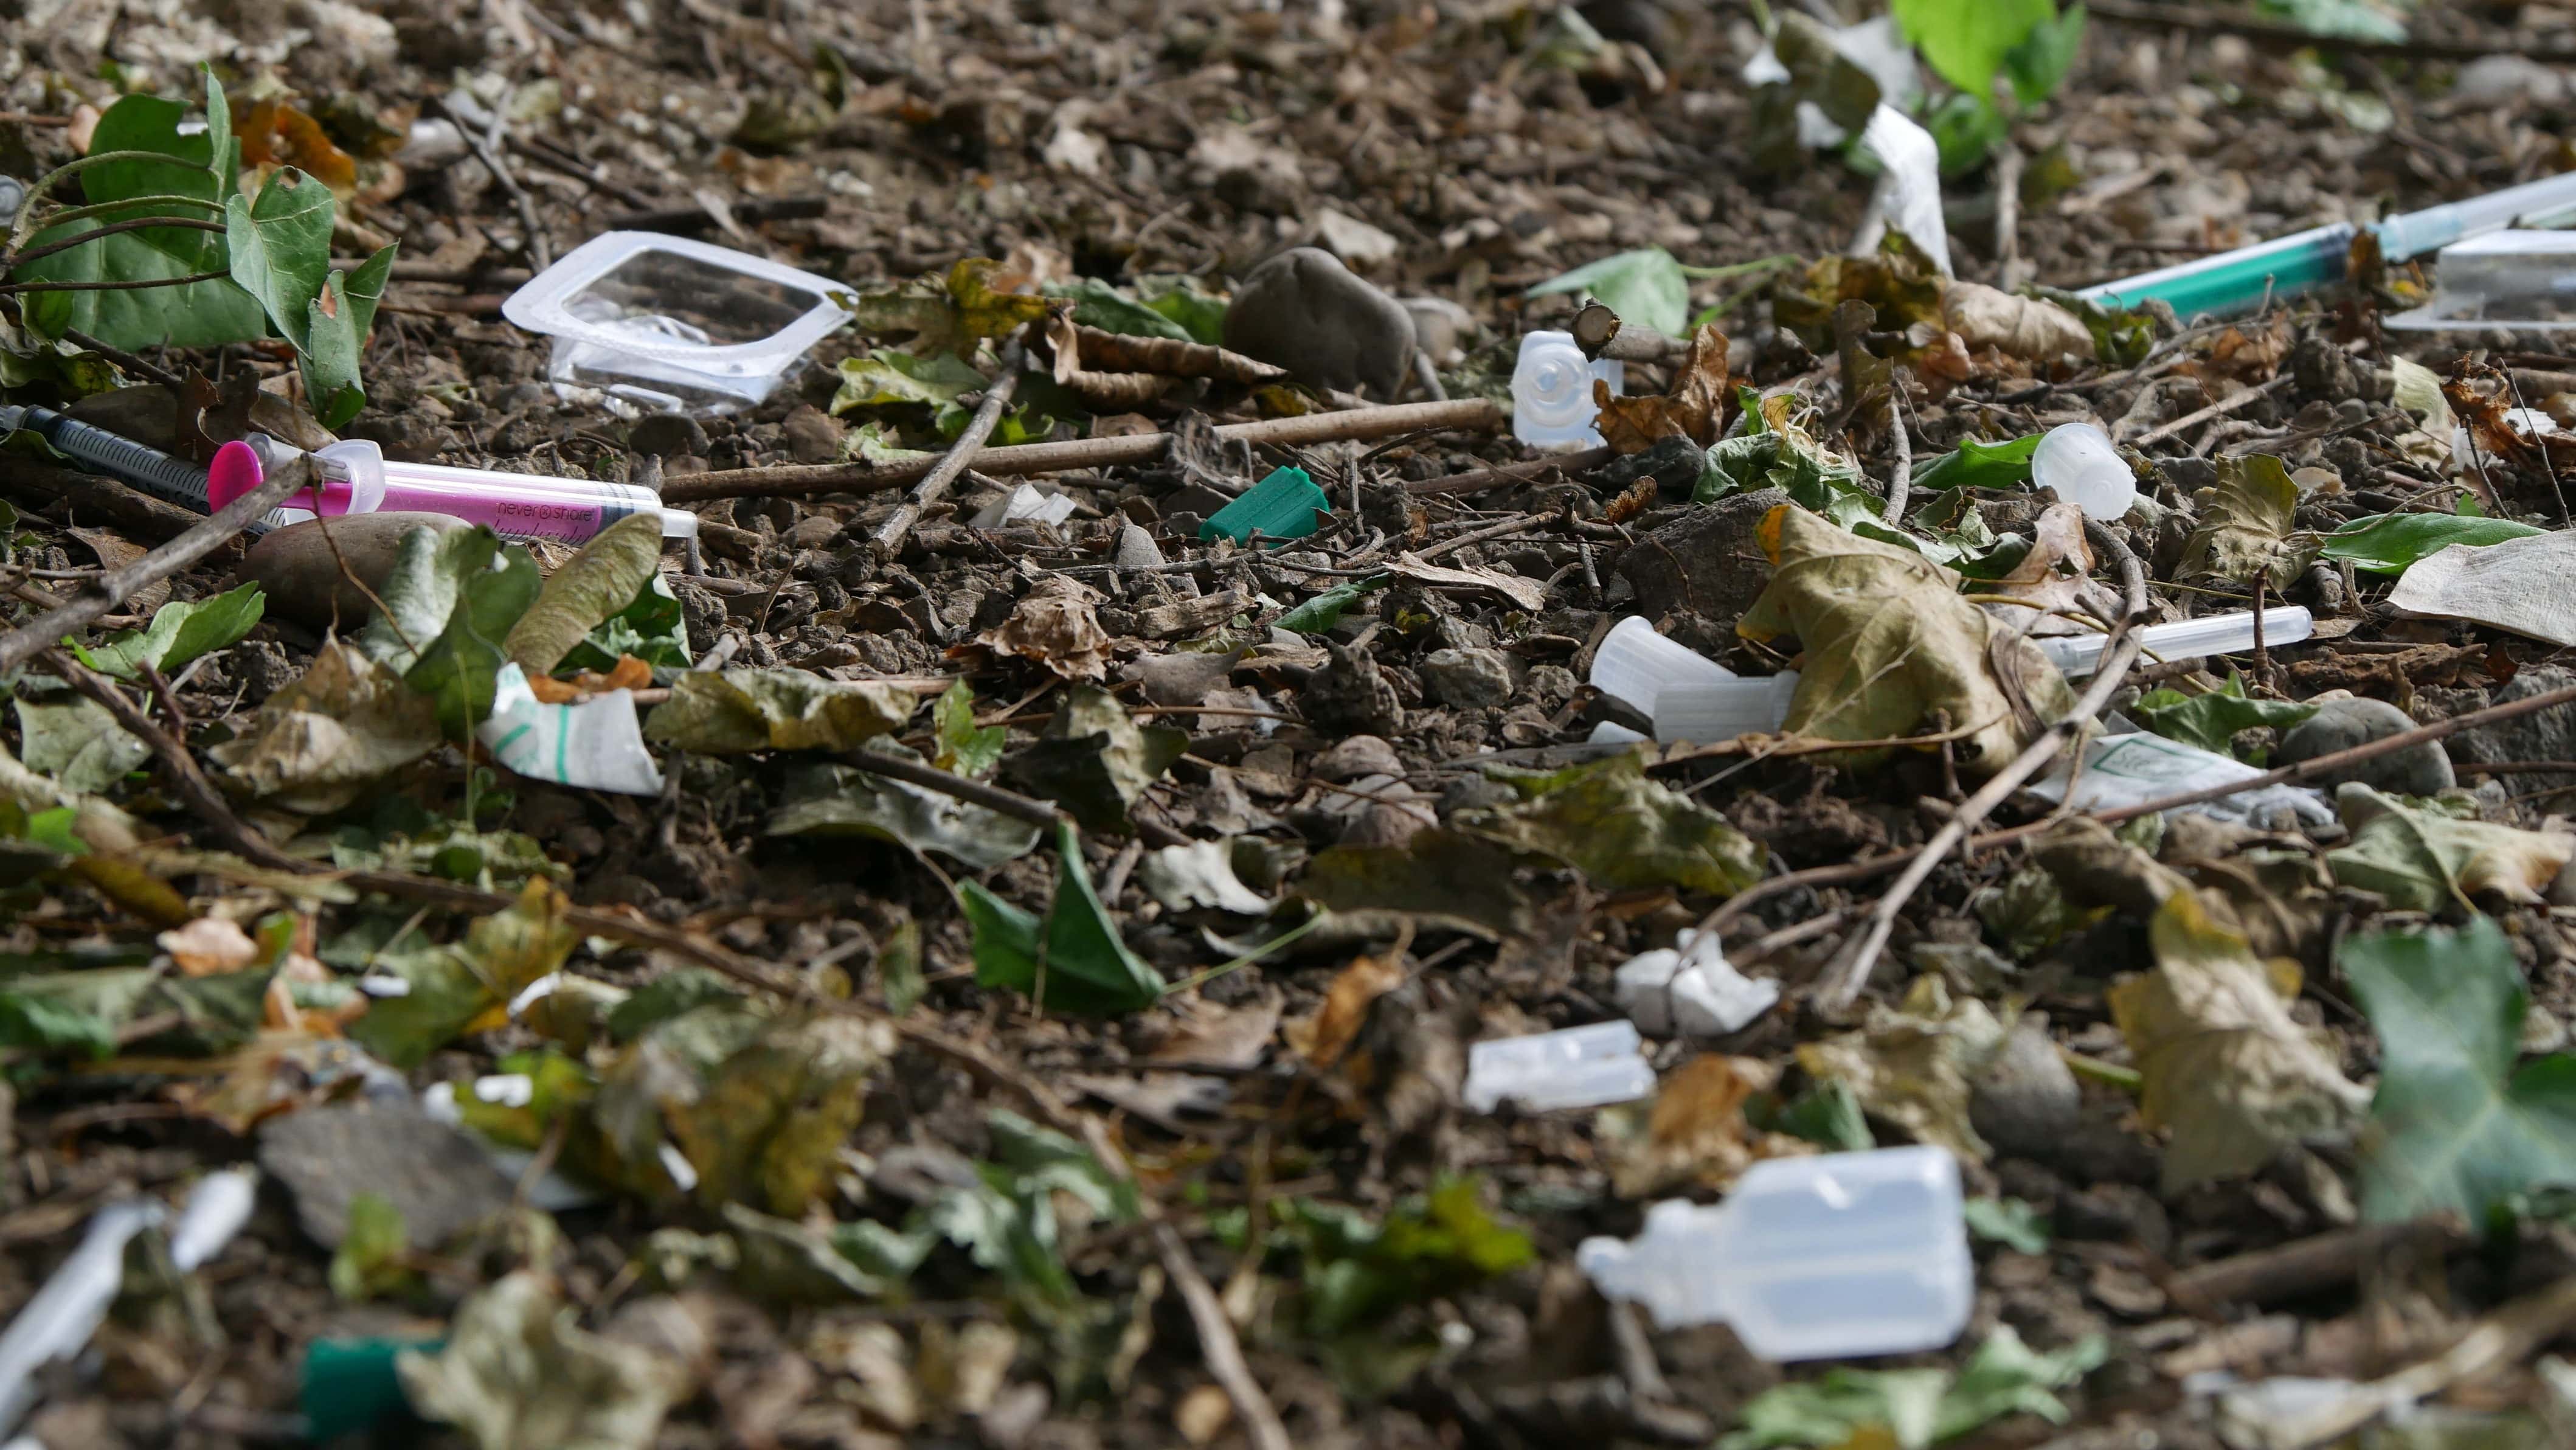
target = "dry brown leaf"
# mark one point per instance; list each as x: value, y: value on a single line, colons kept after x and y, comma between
x: 1529, y: 594
x: 278, y: 1012
x: 1889, y: 641
x: 2248, y: 526
x: 2050, y: 578
x: 2239, y: 356
x: 1171, y: 357
x: 1323, y: 1038
x: 1695, y: 1134
x: 1695, y: 407
x: 1055, y: 626
x: 2227, y: 1068
x: 1913, y: 1063
x: 1105, y: 391
x: 2022, y: 327
x: 209, y: 945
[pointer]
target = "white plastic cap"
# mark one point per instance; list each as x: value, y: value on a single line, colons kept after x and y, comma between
x: 1635, y: 664
x: 2078, y: 461
x: 1552, y: 391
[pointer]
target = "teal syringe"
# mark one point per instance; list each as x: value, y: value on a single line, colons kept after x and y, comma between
x: 2238, y: 281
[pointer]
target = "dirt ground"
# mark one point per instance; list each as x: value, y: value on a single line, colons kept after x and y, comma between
x: 1122, y: 142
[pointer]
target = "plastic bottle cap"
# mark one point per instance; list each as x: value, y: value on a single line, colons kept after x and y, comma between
x: 2078, y: 461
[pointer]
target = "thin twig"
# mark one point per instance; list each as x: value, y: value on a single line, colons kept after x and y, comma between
x: 38, y: 254
x: 137, y: 285
x: 2219, y: 409
x: 141, y: 368
x: 116, y: 586
x: 1900, y: 481
x: 888, y: 540
x: 1081, y: 453
x: 974, y: 792
x: 540, y: 251
x: 1850, y: 970
x: 1480, y: 479
x: 2008, y: 168
x: 1218, y: 1344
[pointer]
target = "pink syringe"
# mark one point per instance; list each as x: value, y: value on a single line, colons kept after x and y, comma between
x: 356, y: 478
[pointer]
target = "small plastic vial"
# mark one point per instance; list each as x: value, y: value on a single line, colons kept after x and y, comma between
x: 1552, y: 391
x: 1707, y: 713
x: 1577, y: 1067
x: 1809, y: 1258
x: 2211, y: 634
x: 1635, y: 664
x: 2078, y: 461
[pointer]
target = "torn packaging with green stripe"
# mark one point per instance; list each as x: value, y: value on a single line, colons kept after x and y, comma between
x: 596, y: 744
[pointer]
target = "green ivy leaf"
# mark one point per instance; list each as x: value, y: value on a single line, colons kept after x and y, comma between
x: 963, y: 748
x: 180, y: 631
x: 1980, y: 465
x: 2392, y: 543
x: 1917, y: 1407
x: 373, y: 1258
x: 1097, y: 304
x: 1966, y: 40
x: 2209, y: 721
x: 2007, y: 1221
x: 2455, y: 1125
x: 1645, y: 287
x: 1087, y: 967
x: 1325, y: 610
x: 654, y: 629
x: 2038, y: 66
x: 885, y: 378
x: 78, y: 743
x: 459, y: 668
x: 1964, y: 130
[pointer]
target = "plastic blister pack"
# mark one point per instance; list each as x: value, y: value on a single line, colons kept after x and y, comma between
x: 661, y: 323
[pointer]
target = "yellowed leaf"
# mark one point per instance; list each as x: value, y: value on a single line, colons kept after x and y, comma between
x: 2245, y: 526
x: 2050, y: 578
x: 2022, y: 327
x: 208, y: 945
x: 1912, y: 1063
x: 1055, y: 626
x: 1695, y: 1134
x: 1695, y: 407
x: 1322, y: 1038
x: 1889, y: 641
x: 2227, y: 1068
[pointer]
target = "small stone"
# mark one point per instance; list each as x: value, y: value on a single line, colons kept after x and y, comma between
x: 1136, y: 549
x: 435, y: 1175
x: 2026, y: 1100
x: 814, y: 531
x: 1673, y: 463
x: 1354, y: 241
x: 1358, y: 756
x: 668, y: 435
x: 1441, y: 328
x: 301, y: 574
x: 811, y: 436
x: 2420, y: 769
x: 1351, y: 695
x: 1708, y: 561
x: 1182, y: 678
x: 2504, y: 80
x: 2546, y: 735
x: 1304, y: 311
x: 1473, y: 679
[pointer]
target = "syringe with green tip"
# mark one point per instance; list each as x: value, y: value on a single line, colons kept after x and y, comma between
x: 2239, y: 281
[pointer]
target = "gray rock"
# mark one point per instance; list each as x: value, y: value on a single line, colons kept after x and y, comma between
x: 811, y: 436
x: 1351, y: 695
x: 2547, y: 735
x: 1304, y: 311
x: 1358, y: 756
x: 1673, y: 463
x: 668, y: 435
x: 436, y: 1175
x: 1182, y: 678
x: 2342, y: 724
x: 2026, y: 1100
x: 1136, y: 549
x: 2503, y: 80
x: 1706, y: 561
x: 1474, y: 679
x: 1442, y: 328
x: 301, y: 574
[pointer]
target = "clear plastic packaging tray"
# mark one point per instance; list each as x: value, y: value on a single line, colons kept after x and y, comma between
x: 663, y: 323
x: 2511, y: 279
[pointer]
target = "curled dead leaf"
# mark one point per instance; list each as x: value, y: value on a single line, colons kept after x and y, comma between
x: 1323, y: 1038
x: 1695, y: 1135
x: 2050, y: 580
x: 1054, y: 625
x: 2022, y: 327
x: 209, y: 945
x: 1695, y: 407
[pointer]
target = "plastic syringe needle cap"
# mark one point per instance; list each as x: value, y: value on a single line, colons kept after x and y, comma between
x: 234, y: 472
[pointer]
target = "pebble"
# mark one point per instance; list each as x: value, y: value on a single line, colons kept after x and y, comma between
x: 1354, y: 241
x: 2503, y: 80
x: 301, y: 575
x: 434, y: 1174
x: 1182, y: 678
x: 1358, y: 756
x: 1472, y: 679
x: 811, y: 437
x: 1441, y: 328
x: 1136, y: 549
x: 668, y: 435
x: 2342, y: 724
x: 2026, y: 1100
x: 1351, y: 695
x: 1673, y: 463
x: 1304, y: 311
x: 2547, y: 735
x: 1706, y: 561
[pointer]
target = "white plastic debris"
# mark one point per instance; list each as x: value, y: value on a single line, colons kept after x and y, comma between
x: 1877, y: 46
x: 1025, y: 502
x: 1611, y: 732
x: 1909, y: 190
x: 1752, y: 705
x: 2077, y: 655
x: 1635, y: 664
x: 1690, y: 988
x: 2526, y: 585
x: 58, y: 1322
x: 662, y: 323
x: 2128, y: 770
x: 1809, y: 1258
x: 594, y: 745
x: 1552, y: 402
x: 2078, y: 461
x: 1578, y: 1067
